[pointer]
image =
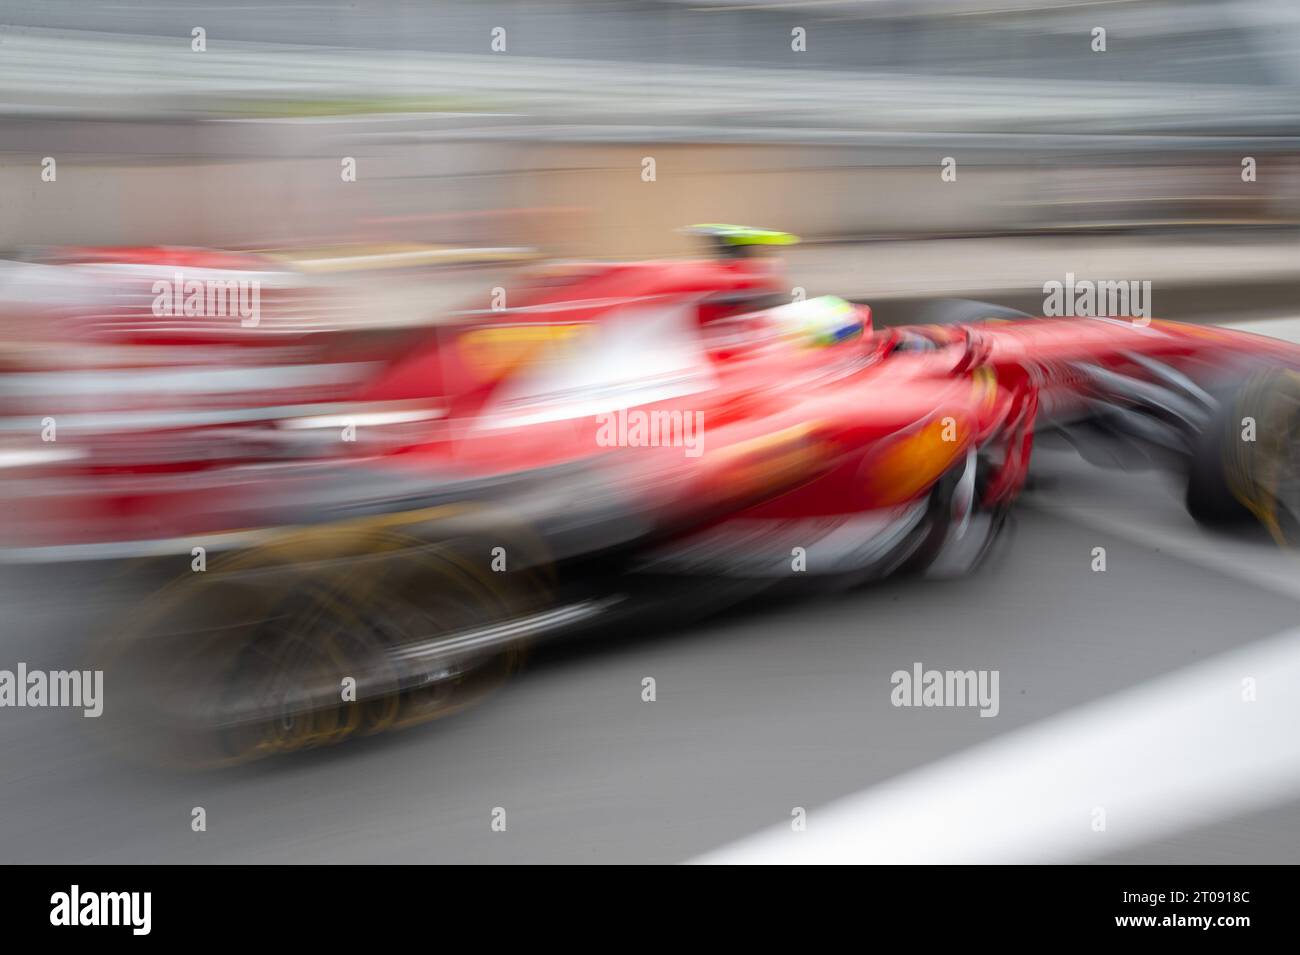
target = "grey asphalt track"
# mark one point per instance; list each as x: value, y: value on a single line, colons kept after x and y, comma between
x: 756, y: 713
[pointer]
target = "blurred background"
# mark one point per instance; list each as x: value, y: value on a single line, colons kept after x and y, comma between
x: 827, y: 119
x: 227, y: 126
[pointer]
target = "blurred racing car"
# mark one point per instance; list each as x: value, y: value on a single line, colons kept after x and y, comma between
x: 622, y: 442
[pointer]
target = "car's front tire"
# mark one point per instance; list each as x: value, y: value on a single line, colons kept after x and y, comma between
x: 1245, y: 464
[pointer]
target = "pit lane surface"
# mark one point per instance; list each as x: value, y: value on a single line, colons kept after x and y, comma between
x: 757, y: 713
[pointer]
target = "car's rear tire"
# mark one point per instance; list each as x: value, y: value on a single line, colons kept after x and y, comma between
x: 247, y: 659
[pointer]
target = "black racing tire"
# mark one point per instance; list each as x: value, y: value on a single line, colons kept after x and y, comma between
x: 245, y: 660
x: 1233, y: 483
x: 965, y: 311
x: 1209, y: 499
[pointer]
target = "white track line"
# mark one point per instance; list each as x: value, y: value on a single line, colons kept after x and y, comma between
x: 1180, y: 751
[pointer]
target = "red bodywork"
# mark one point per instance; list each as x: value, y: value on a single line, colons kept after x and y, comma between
x: 203, y: 436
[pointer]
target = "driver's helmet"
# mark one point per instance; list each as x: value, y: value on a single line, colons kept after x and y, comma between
x: 738, y: 241
x: 821, y: 321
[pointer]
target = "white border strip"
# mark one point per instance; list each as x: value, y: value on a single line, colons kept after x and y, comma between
x: 1180, y: 751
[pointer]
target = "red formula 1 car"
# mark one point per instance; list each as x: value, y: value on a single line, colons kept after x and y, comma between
x: 615, y: 440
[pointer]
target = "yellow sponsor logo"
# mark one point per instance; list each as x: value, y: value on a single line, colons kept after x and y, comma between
x: 498, y: 350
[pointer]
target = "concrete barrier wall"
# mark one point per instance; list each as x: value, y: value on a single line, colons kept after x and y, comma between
x: 591, y: 199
